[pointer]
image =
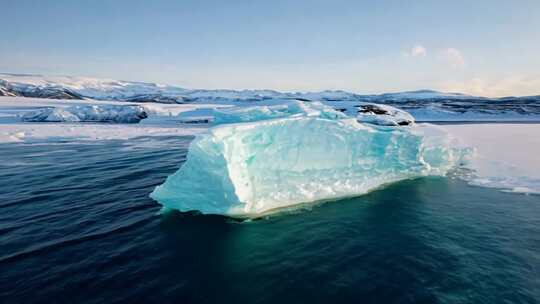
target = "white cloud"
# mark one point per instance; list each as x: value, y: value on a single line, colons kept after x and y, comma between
x: 507, y: 86
x: 416, y: 51
x: 454, y: 57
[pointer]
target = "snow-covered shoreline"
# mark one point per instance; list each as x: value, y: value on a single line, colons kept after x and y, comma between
x: 424, y: 105
x: 162, y: 121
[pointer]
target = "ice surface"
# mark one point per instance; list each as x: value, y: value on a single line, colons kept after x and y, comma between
x: 507, y: 155
x: 257, y: 113
x: 88, y: 113
x: 30, y: 132
x: 312, y: 153
x: 437, y: 114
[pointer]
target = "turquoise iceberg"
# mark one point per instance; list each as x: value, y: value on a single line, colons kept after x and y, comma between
x: 267, y: 163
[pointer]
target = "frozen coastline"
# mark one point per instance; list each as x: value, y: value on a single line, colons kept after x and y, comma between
x: 505, y: 153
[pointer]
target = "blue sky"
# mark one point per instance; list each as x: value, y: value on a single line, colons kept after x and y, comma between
x: 480, y: 47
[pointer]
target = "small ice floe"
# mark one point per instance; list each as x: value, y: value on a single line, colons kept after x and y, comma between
x: 88, y: 113
x: 383, y: 115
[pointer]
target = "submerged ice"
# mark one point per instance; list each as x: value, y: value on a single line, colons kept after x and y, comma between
x: 298, y: 153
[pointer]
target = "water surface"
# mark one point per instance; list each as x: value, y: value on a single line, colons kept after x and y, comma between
x: 77, y: 226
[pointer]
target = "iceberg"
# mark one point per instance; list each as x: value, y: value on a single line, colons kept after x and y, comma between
x: 256, y: 113
x: 309, y: 153
x: 88, y: 113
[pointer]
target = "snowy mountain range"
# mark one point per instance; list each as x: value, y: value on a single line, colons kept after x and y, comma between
x: 418, y: 102
x: 63, y: 87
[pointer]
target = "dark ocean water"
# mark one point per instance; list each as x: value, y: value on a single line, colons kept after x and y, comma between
x: 77, y: 226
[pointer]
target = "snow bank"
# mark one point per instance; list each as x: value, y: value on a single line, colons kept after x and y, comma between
x: 88, y: 113
x: 312, y: 153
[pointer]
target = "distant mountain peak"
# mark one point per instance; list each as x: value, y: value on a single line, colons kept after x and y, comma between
x: 422, y: 91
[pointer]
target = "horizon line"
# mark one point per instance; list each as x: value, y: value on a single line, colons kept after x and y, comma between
x: 419, y: 90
